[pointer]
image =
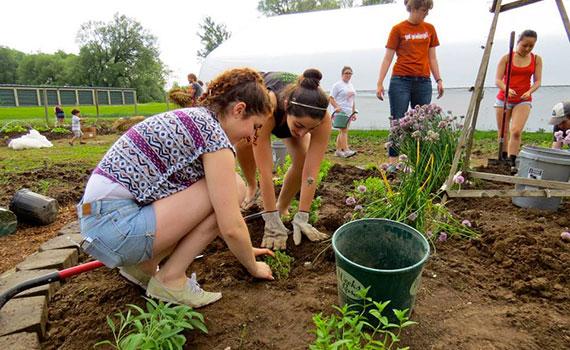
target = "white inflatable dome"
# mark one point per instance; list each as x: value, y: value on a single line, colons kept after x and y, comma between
x: 356, y: 37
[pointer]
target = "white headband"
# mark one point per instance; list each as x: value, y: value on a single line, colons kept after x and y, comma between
x: 308, y: 106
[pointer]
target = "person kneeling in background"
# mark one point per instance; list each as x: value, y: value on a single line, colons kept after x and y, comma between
x: 561, y: 121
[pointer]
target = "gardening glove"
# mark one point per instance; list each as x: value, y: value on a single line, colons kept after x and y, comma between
x: 275, y: 233
x: 301, y: 226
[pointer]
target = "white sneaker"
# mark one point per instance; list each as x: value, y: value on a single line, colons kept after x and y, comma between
x: 340, y: 154
x: 349, y: 153
x: 191, y: 295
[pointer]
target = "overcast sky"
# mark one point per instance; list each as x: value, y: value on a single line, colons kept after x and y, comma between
x: 47, y: 26
x: 33, y: 26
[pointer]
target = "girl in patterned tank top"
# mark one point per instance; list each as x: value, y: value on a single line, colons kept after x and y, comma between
x: 168, y: 187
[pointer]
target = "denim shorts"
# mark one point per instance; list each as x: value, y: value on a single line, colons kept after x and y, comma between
x: 405, y: 92
x: 118, y: 232
x: 511, y: 105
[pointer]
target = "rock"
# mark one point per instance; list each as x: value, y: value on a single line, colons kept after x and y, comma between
x: 20, y: 341
x: 540, y: 283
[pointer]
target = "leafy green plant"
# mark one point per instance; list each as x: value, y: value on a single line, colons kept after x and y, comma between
x: 13, y: 129
x: 60, y: 131
x: 351, y: 328
x: 313, y: 211
x: 280, y: 264
x: 158, y: 327
x: 41, y: 128
x: 281, y: 171
x: 326, y: 166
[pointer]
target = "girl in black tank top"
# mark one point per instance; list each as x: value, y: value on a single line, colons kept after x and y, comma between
x: 299, y: 108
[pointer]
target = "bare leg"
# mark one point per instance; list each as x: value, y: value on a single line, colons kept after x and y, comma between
x: 344, y: 138
x: 292, y: 183
x: 248, y: 167
x: 185, y: 221
x: 519, y: 117
x: 338, y: 142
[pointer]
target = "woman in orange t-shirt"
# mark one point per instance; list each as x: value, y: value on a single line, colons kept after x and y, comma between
x: 414, y: 42
x: 525, y: 65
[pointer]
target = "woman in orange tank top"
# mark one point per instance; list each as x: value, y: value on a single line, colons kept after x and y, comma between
x: 525, y: 65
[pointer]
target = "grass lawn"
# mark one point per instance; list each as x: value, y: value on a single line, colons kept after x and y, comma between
x: 37, y: 114
x: 370, y: 142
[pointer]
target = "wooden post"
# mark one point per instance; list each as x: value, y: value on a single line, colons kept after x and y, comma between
x: 16, y: 97
x: 38, y: 97
x: 470, y: 121
x: 123, y: 96
x: 515, y: 4
x: 109, y: 98
x: 564, y: 16
x: 97, y: 103
x: 135, y: 100
x: 46, y: 107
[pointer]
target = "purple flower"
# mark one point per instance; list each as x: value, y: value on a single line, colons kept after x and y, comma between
x: 403, y: 158
x: 566, y: 140
x: 413, y: 216
x: 384, y: 166
x: 350, y: 201
x: 358, y: 207
x: 442, y: 237
x: 361, y: 188
x: 565, y: 236
x: 429, y: 234
x: 466, y: 223
x: 388, y: 145
x: 559, y: 135
x: 458, y: 178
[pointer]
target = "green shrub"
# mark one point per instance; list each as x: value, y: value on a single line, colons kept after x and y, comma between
x: 60, y: 131
x: 350, y: 327
x: 14, y: 129
x: 157, y: 328
x: 280, y: 264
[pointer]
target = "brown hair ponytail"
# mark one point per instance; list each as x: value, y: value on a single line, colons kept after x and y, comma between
x: 306, y: 98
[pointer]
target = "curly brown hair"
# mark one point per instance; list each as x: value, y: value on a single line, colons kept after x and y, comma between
x: 238, y: 85
x: 306, y: 92
x: 418, y: 4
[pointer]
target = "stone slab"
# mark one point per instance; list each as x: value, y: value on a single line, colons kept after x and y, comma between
x: 16, y: 278
x: 66, y: 241
x: 50, y: 259
x: 24, y: 315
x: 20, y: 341
x: 70, y: 229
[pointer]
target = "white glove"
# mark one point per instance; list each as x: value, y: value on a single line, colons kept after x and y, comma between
x: 301, y: 226
x: 275, y: 233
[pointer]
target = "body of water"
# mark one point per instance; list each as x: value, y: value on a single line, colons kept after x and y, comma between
x: 374, y: 114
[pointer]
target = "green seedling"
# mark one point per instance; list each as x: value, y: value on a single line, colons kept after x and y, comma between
x: 280, y: 264
x: 350, y: 327
x: 158, y: 327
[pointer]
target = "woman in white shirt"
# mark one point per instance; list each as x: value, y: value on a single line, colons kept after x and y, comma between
x: 342, y: 99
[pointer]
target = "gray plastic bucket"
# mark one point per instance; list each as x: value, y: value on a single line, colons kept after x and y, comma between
x: 382, y: 254
x: 279, y: 153
x: 31, y: 206
x: 543, y: 164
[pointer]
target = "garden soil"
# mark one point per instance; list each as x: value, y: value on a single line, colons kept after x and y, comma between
x: 509, y: 289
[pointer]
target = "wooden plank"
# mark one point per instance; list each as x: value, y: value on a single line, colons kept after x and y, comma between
x: 517, y: 4
x: 508, y: 193
x: 564, y: 16
x: 469, y: 126
x: 558, y: 185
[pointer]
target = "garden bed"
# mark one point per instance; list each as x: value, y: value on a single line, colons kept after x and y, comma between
x: 509, y: 289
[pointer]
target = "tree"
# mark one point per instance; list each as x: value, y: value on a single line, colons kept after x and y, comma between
x: 282, y: 7
x: 211, y: 35
x: 121, y: 53
x: 376, y: 2
x: 9, y: 61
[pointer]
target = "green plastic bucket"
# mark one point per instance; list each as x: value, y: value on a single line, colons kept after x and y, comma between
x: 382, y: 254
x: 340, y: 120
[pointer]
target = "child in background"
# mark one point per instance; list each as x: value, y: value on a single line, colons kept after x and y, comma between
x: 76, y: 127
x: 561, y: 121
x: 59, y: 115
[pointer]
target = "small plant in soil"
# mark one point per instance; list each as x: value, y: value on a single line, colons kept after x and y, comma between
x: 158, y: 327
x: 280, y: 264
x: 60, y: 131
x: 350, y: 327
